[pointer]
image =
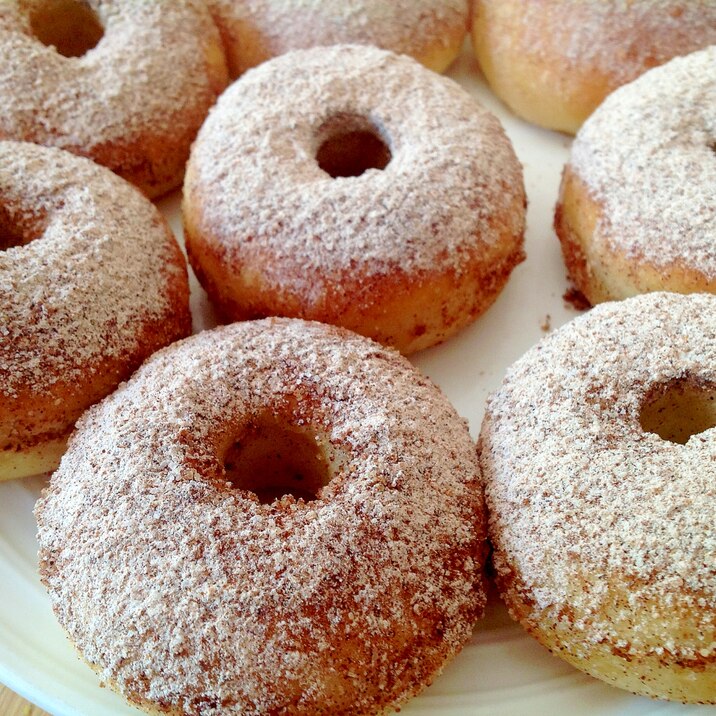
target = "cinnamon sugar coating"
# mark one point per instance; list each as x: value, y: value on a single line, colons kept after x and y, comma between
x: 603, y: 533
x: 190, y: 596
x: 254, y: 31
x: 407, y: 254
x: 133, y: 103
x: 91, y: 283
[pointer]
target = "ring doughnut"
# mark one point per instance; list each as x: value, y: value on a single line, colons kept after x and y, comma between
x: 253, y: 31
x: 375, y: 195
x: 133, y: 102
x: 598, y: 455
x: 554, y: 61
x: 190, y: 576
x: 91, y: 283
x: 637, y: 207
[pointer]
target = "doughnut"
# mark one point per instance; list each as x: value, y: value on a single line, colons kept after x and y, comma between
x: 376, y: 195
x: 91, y: 283
x: 637, y: 206
x: 272, y: 517
x: 598, y: 455
x: 554, y: 61
x: 253, y: 31
x: 125, y: 83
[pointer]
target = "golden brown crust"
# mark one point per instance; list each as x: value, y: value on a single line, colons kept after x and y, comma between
x: 553, y: 62
x: 32, y: 417
x: 410, y: 311
x: 254, y: 31
x: 598, y: 269
x: 659, y: 674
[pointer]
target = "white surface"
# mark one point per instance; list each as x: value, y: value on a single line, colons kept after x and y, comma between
x: 502, y: 671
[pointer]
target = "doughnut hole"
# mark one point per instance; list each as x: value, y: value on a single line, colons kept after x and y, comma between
x: 679, y: 409
x: 349, y: 145
x: 70, y: 26
x: 18, y: 230
x: 272, y: 459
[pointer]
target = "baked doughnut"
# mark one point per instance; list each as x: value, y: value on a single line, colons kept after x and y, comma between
x: 125, y: 83
x: 253, y: 31
x: 91, y: 283
x: 554, y: 61
x: 191, y: 576
x: 375, y: 195
x: 637, y: 207
x: 599, y: 460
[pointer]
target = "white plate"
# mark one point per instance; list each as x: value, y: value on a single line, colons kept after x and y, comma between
x: 502, y: 671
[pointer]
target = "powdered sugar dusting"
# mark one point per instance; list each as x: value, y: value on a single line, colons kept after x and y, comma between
x: 581, y: 498
x: 142, y: 91
x: 195, y: 596
x: 403, y: 26
x: 647, y: 154
x: 254, y: 179
x: 103, y: 266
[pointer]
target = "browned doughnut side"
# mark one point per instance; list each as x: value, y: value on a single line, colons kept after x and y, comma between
x: 155, y: 160
x: 597, y: 268
x: 410, y: 311
x: 438, y: 56
x: 431, y: 31
x: 534, y: 84
x: 245, y: 49
x: 35, y: 424
x: 662, y: 675
x: 553, y: 62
